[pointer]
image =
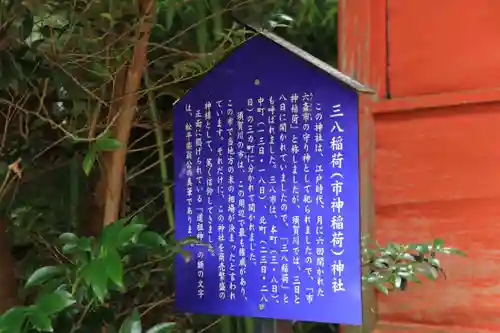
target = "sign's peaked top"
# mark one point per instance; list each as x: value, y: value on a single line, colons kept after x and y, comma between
x: 312, y: 59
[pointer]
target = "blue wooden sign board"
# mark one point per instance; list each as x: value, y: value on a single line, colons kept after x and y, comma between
x: 266, y: 164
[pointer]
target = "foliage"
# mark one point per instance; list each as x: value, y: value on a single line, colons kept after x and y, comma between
x: 393, y: 266
x: 92, y: 280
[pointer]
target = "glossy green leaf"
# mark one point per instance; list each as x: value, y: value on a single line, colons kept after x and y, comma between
x: 106, y: 143
x: 162, y: 328
x: 114, y: 267
x: 138, y: 219
x: 95, y: 277
x: 89, y: 161
x: 110, y: 234
x: 132, y: 324
x: 44, y: 274
x: 54, y: 302
x: 398, y: 281
x: 195, y: 241
x: 129, y: 233
x: 186, y: 255
x: 40, y: 321
x: 434, y: 262
x: 450, y: 250
x: 107, y: 16
x: 84, y: 244
x: 68, y: 248
x: 382, y: 288
x: 12, y: 320
x: 68, y: 237
x: 438, y: 244
x: 151, y: 239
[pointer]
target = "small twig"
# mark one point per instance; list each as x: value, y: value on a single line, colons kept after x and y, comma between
x: 210, y: 326
x: 155, y: 305
x: 152, y: 165
x: 82, y: 317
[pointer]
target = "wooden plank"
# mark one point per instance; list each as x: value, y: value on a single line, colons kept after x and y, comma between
x: 385, y: 327
x: 437, y: 175
x: 443, y: 46
x: 444, y: 155
x: 362, y: 40
x: 430, y: 102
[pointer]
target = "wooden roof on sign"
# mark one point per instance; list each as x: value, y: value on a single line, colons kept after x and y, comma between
x: 311, y: 59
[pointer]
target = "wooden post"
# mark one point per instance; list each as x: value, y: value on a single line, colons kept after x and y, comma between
x: 367, y: 207
x: 362, y: 35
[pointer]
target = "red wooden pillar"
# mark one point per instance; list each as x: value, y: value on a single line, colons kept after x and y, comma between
x: 436, y: 68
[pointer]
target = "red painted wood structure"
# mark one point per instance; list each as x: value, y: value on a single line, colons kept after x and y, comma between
x: 435, y: 65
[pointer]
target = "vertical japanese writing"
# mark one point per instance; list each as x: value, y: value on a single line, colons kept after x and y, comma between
x: 189, y: 169
x: 307, y: 192
x: 262, y: 134
x: 283, y: 162
x: 231, y: 203
x: 318, y: 182
x: 209, y: 166
x: 221, y: 235
x: 283, y: 118
x: 200, y: 263
x: 250, y: 151
x: 337, y: 204
x: 242, y: 202
x: 272, y: 198
x: 295, y: 196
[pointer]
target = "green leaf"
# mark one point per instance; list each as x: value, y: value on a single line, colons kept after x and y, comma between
x: 450, y: 250
x: 162, y: 328
x: 438, y: 244
x: 382, y: 288
x: 94, y: 277
x: 186, y: 255
x: 68, y: 248
x: 12, y: 320
x: 110, y: 234
x: 55, y: 302
x: 130, y: 233
x: 132, y: 324
x: 151, y: 239
x: 106, y: 143
x: 40, y: 321
x: 89, y: 160
x: 43, y: 275
x: 195, y: 241
x: 84, y: 244
x: 414, y: 278
x: 107, y: 16
x: 434, y: 262
x: 68, y: 237
x: 114, y: 267
x: 398, y: 281
x: 138, y: 219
